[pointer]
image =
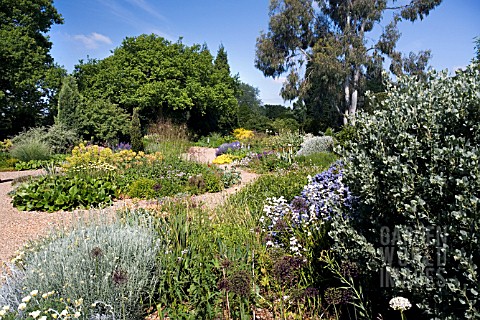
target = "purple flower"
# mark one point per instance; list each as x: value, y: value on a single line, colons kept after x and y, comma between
x: 122, y: 146
x: 224, y: 148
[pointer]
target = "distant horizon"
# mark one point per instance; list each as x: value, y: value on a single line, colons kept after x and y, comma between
x: 93, y: 29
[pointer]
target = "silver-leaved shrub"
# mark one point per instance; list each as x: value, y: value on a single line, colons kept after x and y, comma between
x: 105, y: 263
x: 313, y: 144
x: 414, y: 166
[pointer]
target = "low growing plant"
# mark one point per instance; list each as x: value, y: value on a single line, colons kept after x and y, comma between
x: 103, y: 264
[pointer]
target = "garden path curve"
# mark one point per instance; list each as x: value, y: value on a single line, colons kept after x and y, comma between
x: 18, y: 227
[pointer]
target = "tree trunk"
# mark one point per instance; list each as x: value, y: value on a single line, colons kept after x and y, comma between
x: 347, y: 100
x: 352, y: 109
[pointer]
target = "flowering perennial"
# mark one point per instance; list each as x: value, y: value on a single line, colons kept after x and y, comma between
x: 224, y: 148
x: 319, y: 201
x: 400, y: 304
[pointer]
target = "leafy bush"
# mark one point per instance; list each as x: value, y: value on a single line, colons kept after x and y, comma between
x: 60, y: 192
x: 414, y: 164
x: 312, y: 144
x: 143, y: 188
x: 103, y: 263
x: 136, y: 132
x: 284, y: 140
x: 214, y: 140
x: 58, y: 137
x: 31, y: 149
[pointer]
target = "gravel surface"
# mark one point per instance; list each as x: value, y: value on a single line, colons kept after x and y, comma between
x: 18, y: 227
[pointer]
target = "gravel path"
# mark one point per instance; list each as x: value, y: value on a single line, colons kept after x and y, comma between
x: 17, y: 227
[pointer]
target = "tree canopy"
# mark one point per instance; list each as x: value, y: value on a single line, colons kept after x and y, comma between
x: 162, y: 79
x: 29, y: 78
x: 324, y: 47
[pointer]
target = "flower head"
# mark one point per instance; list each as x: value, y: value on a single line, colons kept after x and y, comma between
x: 400, y: 303
x: 22, y: 306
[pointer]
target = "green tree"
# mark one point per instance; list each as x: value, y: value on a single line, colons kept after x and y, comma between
x: 136, y: 132
x: 68, y: 100
x: 330, y: 40
x: 27, y: 71
x: 161, y: 78
x: 102, y: 121
x: 250, y: 111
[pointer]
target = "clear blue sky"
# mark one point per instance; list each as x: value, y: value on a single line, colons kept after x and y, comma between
x: 95, y: 27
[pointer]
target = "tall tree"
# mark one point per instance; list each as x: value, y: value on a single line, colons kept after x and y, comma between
x: 68, y: 101
x: 329, y: 40
x: 162, y: 79
x: 26, y: 67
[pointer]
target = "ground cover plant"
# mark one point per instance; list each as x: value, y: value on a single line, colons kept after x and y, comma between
x: 103, y: 269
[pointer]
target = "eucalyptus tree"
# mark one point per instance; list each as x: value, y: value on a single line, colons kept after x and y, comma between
x: 331, y: 42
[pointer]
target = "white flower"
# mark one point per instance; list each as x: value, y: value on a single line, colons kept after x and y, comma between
x: 34, y: 293
x: 22, y: 306
x: 6, y: 308
x: 45, y: 295
x: 64, y: 312
x: 3, y: 312
x: 27, y: 299
x: 77, y: 315
x: 43, y: 318
x: 35, y: 314
x: 400, y: 303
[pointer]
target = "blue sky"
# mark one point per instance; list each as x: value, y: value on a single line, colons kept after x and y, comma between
x: 95, y: 27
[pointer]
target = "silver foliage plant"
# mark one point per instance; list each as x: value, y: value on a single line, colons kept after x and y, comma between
x: 113, y: 263
x: 415, y: 167
x: 313, y: 144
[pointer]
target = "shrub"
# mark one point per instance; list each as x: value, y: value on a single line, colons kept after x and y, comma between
x: 284, y: 140
x: 214, y: 140
x: 143, y: 188
x: 58, y: 137
x: 31, y: 149
x: 111, y: 262
x: 312, y: 144
x: 414, y: 164
x: 136, y: 132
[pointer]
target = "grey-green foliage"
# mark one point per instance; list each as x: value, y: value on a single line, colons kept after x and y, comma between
x: 68, y: 101
x: 414, y: 164
x: 312, y: 144
x: 31, y: 149
x: 110, y: 262
x: 59, y: 138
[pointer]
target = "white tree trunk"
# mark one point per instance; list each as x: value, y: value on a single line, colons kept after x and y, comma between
x: 347, y: 101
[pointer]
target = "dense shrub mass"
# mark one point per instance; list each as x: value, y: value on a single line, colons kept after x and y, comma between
x: 414, y: 164
x: 110, y: 266
x: 312, y: 144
